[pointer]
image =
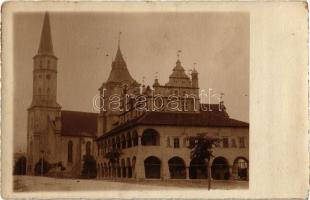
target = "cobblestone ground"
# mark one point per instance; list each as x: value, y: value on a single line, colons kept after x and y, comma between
x: 35, y: 183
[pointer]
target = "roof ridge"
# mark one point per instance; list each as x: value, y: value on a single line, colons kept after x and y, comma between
x: 79, y: 111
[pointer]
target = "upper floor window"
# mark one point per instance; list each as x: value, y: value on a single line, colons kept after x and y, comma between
x: 241, y: 142
x: 48, y: 63
x: 48, y: 76
x: 150, y: 137
x: 168, y: 141
x: 233, y: 143
x: 225, y: 143
x: 176, y: 142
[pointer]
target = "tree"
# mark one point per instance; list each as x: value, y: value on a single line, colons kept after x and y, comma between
x: 201, y: 148
x: 42, y: 167
x: 89, y: 167
x: 113, y: 156
x: 20, y: 166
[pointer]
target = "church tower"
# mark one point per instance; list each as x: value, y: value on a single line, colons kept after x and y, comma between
x: 44, y: 107
x: 119, y: 80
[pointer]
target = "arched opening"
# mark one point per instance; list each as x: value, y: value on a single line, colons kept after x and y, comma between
x: 109, y: 169
x: 198, y: 169
x: 123, y: 169
x: 70, y: 151
x: 119, y: 174
x: 220, y: 169
x: 240, y: 168
x: 152, y: 167
x: 129, y: 140
x: 177, y: 168
x: 113, y: 144
x: 98, y: 168
x: 118, y: 142
x: 150, y: 137
x: 88, y: 148
x: 106, y: 173
x: 109, y: 145
x: 129, y: 168
x: 123, y: 139
x: 135, y: 138
x: 102, y: 170
x: 134, y: 166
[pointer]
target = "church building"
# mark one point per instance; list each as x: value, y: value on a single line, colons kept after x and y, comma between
x: 59, y: 137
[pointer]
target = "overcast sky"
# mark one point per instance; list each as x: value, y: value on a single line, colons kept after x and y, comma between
x: 217, y: 42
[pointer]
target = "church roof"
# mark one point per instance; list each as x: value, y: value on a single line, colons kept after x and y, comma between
x: 46, y: 45
x: 214, y: 118
x: 78, y: 124
x: 119, y: 72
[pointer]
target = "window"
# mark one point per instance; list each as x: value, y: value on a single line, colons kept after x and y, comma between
x: 233, y: 143
x: 225, y: 143
x: 70, y: 145
x: 241, y: 142
x: 48, y: 91
x: 176, y: 142
x: 150, y: 137
x: 48, y: 64
x: 192, y: 142
x: 48, y: 76
x: 168, y: 141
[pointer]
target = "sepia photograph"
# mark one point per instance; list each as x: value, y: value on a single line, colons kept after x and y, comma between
x: 142, y: 98
x: 178, y: 102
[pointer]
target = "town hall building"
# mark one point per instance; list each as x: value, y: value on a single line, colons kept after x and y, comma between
x: 148, y: 136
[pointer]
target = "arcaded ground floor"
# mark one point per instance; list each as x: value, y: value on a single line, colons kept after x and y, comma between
x: 37, y: 183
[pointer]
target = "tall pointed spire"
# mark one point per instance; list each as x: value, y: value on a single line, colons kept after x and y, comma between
x: 119, y: 56
x: 119, y: 70
x: 119, y: 39
x: 46, y: 45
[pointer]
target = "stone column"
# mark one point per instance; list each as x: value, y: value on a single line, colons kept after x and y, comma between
x: 231, y: 175
x: 121, y: 171
x: 139, y: 167
x: 187, y: 173
x: 165, y: 174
